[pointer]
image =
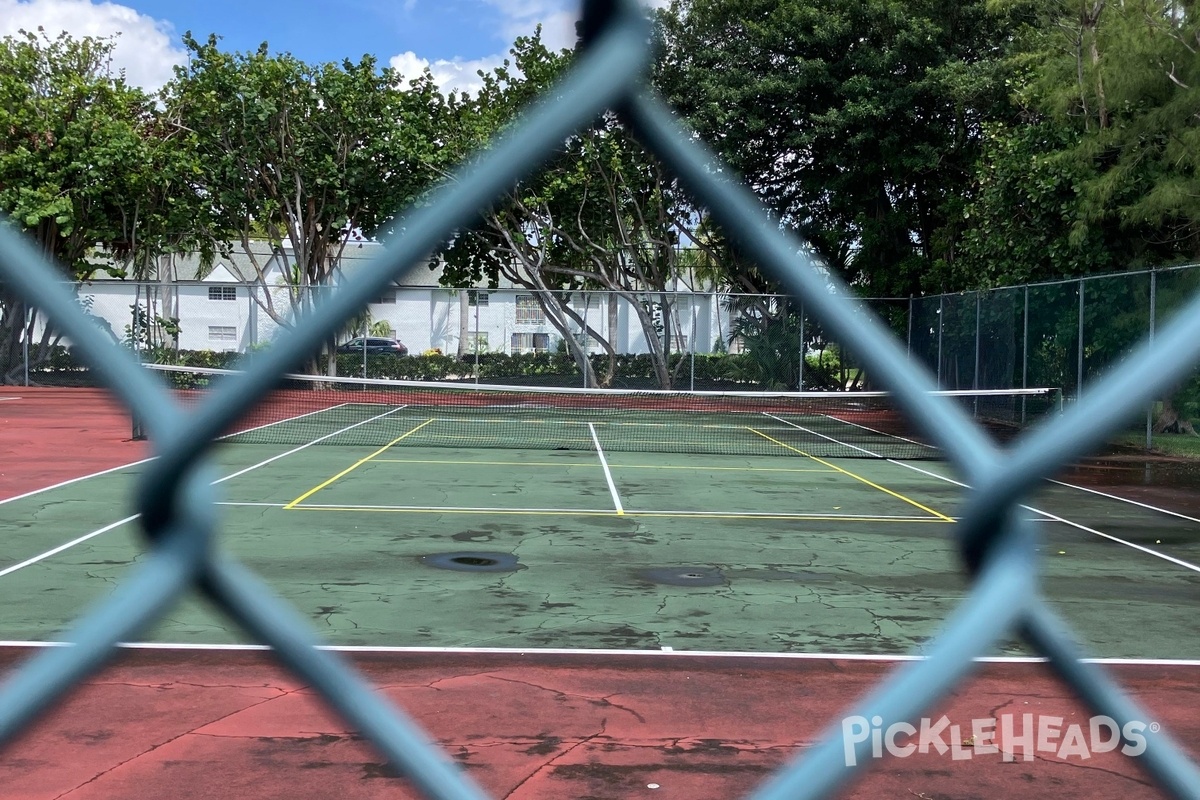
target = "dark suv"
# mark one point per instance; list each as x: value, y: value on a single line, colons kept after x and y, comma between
x: 374, y: 346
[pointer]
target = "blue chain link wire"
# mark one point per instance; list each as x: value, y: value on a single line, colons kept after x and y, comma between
x: 176, y: 499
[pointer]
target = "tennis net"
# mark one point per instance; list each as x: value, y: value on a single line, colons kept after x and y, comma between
x: 306, y: 409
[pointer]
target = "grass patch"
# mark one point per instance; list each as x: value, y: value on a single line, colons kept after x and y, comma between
x: 1171, y: 444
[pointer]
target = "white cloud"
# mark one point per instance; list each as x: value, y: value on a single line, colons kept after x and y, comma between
x: 146, y: 48
x: 518, y: 18
x: 457, y: 75
x: 557, y: 18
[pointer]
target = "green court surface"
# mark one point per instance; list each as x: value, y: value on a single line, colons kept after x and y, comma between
x: 437, y: 547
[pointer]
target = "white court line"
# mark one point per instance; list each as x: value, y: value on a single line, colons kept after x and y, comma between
x: 41, y: 557
x: 881, y: 433
x: 1177, y: 561
x: 821, y: 435
x: 1124, y: 500
x: 1146, y: 506
x: 76, y: 480
x: 785, y: 515
x: 288, y: 419
x: 106, y: 528
x: 152, y: 458
x: 588, y: 651
x: 2, y: 399
x: 447, y: 509
x: 306, y: 444
x: 583, y: 511
x: 612, y: 487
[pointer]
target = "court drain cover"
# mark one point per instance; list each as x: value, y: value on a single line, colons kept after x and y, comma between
x: 685, y: 576
x: 473, y: 561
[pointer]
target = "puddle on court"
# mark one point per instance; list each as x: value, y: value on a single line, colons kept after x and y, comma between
x: 1116, y: 471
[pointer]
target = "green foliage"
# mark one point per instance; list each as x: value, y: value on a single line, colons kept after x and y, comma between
x: 1101, y: 170
x: 86, y: 161
x: 602, y: 214
x: 308, y: 155
x: 73, y: 144
x: 857, y: 121
x: 1021, y: 223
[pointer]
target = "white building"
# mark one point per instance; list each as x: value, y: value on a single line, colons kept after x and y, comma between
x: 226, y: 310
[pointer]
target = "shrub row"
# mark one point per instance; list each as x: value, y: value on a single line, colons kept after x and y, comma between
x: 707, y: 371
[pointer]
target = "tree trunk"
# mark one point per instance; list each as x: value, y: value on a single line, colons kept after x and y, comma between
x: 464, y: 321
x: 1170, y: 421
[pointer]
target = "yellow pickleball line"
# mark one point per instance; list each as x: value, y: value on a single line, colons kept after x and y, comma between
x: 872, y: 484
x: 355, y: 466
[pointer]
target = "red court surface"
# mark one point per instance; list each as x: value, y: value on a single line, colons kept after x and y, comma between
x: 223, y: 725
x: 50, y: 435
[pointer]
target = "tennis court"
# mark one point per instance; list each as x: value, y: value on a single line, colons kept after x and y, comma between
x: 488, y: 522
x: 474, y: 550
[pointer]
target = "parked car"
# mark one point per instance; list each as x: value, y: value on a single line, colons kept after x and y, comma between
x: 374, y: 346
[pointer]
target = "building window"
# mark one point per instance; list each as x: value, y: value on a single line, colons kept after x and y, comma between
x: 476, y: 298
x: 530, y: 342
x: 222, y: 333
x: 222, y: 293
x: 388, y: 298
x: 528, y: 311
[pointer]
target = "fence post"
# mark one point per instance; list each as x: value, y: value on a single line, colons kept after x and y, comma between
x: 692, y: 338
x: 1150, y: 408
x: 251, y: 314
x: 910, y: 325
x: 978, y: 302
x: 975, y: 380
x: 1025, y: 352
x: 587, y: 304
x: 803, y: 350
x: 26, y: 337
x: 1079, y: 358
x: 941, y: 325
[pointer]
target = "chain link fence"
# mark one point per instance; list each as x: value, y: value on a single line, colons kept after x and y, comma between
x: 669, y: 339
x: 1067, y: 334
x: 1062, y: 334
x: 999, y: 550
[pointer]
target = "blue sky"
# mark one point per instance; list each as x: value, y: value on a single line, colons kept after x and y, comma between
x: 453, y: 38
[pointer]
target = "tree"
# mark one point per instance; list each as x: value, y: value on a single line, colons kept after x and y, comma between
x: 603, y: 215
x: 305, y: 157
x: 857, y: 122
x: 1098, y: 171
x: 85, y: 170
x: 1021, y: 219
